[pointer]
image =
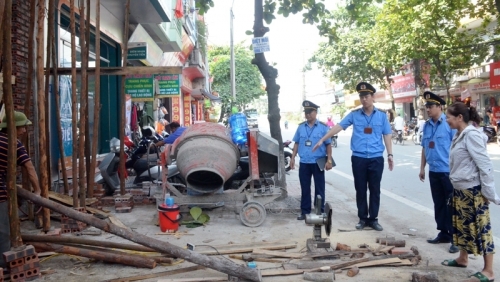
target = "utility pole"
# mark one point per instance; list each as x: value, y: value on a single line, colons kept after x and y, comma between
x: 233, y: 80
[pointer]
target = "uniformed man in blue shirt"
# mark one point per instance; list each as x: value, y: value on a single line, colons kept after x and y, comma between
x: 308, y: 133
x: 436, y: 142
x: 371, y: 129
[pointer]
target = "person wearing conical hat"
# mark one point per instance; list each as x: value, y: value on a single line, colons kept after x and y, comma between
x: 24, y: 161
x: 371, y: 130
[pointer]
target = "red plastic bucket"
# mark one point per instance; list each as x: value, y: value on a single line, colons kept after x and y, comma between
x: 169, y: 218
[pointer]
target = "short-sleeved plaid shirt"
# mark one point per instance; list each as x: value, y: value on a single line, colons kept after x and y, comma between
x: 22, y: 158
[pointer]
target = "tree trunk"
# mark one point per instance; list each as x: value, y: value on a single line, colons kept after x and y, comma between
x: 74, y: 109
x: 388, y: 82
x: 270, y: 74
x: 122, y: 102
x: 55, y: 65
x: 106, y: 256
x: 83, y: 105
x: 216, y: 263
x: 42, y: 121
x: 97, y: 97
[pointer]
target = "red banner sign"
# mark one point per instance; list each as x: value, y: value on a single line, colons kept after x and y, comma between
x: 176, y: 109
x: 187, y: 109
x: 495, y: 75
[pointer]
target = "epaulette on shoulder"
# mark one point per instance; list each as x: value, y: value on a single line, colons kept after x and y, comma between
x: 323, y: 123
x: 302, y: 123
x: 356, y: 110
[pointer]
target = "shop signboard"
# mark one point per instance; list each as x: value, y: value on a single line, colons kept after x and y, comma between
x: 169, y: 85
x: 176, y: 109
x: 140, y: 87
x: 187, y: 109
x: 260, y: 45
x: 137, y: 51
x: 480, y: 86
x: 495, y: 75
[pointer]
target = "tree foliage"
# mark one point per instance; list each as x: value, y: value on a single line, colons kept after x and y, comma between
x: 247, y: 76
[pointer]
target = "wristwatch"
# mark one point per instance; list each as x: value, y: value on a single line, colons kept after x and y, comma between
x: 329, y: 161
x: 390, y: 155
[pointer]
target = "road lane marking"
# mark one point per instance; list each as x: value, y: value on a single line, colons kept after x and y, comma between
x: 400, y: 199
x: 497, y: 170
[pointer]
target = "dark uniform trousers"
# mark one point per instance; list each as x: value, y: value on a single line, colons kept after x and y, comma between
x: 442, y: 190
x: 367, y: 174
x: 305, y: 173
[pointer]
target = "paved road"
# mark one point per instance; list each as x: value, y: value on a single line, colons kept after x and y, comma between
x: 406, y: 202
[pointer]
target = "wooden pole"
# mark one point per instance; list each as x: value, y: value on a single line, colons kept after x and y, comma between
x: 82, y: 241
x: 2, y: 11
x: 83, y: 104
x: 15, y: 230
x: 55, y: 65
x: 74, y: 109
x: 97, y: 96
x: 124, y: 258
x: 41, y: 96
x: 122, y: 101
x: 88, y: 149
x: 222, y: 265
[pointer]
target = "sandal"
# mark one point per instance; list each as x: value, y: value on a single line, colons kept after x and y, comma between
x: 452, y: 263
x: 481, y: 277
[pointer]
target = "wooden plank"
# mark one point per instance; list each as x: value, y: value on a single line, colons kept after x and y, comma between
x: 278, y: 254
x: 117, y: 222
x: 193, y: 279
x: 228, y: 249
x: 158, y: 274
x: 123, y: 70
x: 280, y: 272
x: 376, y: 263
x: 65, y: 199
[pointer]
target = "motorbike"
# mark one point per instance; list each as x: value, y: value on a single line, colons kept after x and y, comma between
x: 141, y: 164
x: 334, y: 141
x: 491, y: 133
x: 417, y: 136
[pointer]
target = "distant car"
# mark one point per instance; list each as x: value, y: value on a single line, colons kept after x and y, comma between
x: 252, y: 118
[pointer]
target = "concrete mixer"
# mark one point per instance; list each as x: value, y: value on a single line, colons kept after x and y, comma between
x: 206, y: 158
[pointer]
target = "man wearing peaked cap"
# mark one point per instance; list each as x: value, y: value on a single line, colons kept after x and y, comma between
x: 371, y: 131
x: 24, y: 161
x: 437, y: 137
x: 308, y: 133
x: 309, y: 106
x: 365, y: 88
x: 433, y: 99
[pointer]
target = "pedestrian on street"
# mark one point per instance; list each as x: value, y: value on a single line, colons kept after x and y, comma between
x: 371, y: 130
x: 24, y: 161
x: 176, y: 130
x: 420, y: 125
x: 471, y: 173
x: 436, y: 143
x: 307, y: 134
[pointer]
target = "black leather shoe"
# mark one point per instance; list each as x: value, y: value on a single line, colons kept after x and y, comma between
x: 301, y: 217
x: 453, y: 249
x: 361, y: 224
x: 375, y: 225
x: 438, y: 240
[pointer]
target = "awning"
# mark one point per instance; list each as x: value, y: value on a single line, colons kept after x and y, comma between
x: 199, y: 93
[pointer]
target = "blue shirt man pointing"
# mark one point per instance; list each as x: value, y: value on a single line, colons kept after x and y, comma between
x: 309, y: 133
x: 371, y: 130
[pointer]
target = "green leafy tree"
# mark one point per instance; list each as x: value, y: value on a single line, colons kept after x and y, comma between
x: 248, y: 78
x: 312, y: 12
x: 339, y: 109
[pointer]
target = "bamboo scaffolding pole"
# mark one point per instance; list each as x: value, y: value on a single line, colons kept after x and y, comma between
x: 122, y: 101
x: 89, y: 182
x: 83, y: 105
x: 74, y: 109
x: 41, y: 97
x: 46, y: 129
x: 222, y: 265
x: 97, y: 96
x: 2, y: 11
x: 15, y: 229
x: 62, y: 156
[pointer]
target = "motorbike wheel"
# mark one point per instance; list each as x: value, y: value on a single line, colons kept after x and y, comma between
x: 108, y: 190
x: 415, y: 139
x: 395, y: 138
x: 334, y: 142
x: 288, y: 159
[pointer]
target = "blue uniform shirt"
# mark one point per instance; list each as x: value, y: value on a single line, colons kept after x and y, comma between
x: 314, y: 134
x: 367, y: 145
x: 441, y: 134
x: 172, y: 137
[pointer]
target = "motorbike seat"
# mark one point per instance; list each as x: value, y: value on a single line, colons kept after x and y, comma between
x: 142, y: 165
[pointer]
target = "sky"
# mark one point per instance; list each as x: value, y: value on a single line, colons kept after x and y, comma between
x: 291, y: 42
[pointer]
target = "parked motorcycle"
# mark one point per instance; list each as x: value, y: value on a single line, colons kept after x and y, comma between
x: 287, y: 152
x: 141, y: 163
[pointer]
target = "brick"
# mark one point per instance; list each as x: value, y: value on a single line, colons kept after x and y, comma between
x: 18, y: 277
x: 27, y: 266
x: 15, y: 255
x: 55, y: 232
x: 32, y: 274
x: 30, y: 259
x: 401, y: 251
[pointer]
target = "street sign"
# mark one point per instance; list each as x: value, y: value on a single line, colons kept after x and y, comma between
x: 260, y: 45
x: 137, y: 51
x: 140, y: 87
